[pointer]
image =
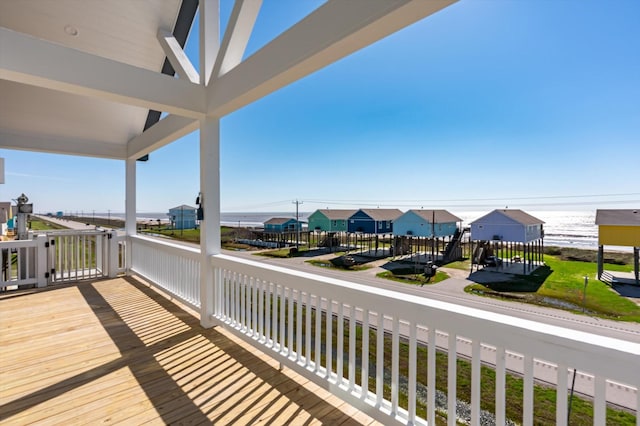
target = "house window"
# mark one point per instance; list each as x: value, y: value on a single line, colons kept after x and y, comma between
x: 335, y: 223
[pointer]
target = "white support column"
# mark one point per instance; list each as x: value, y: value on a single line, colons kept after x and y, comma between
x: 209, y: 164
x: 210, y: 203
x: 130, y: 207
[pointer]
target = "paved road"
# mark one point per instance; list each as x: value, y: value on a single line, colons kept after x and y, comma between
x: 79, y: 226
x: 451, y: 290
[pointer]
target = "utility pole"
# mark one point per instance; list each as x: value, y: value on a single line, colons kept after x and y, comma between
x: 433, y: 234
x: 297, y: 203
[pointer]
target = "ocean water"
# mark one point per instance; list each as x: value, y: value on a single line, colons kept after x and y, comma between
x: 561, y: 228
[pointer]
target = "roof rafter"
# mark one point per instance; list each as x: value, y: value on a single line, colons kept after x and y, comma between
x: 176, y: 56
x: 36, y: 62
x: 160, y: 134
x: 236, y: 36
x: 331, y: 32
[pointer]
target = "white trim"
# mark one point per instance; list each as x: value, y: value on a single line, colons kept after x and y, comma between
x: 209, y: 37
x: 61, y: 145
x: 36, y: 62
x: 160, y: 134
x: 176, y: 56
x: 236, y: 36
x: 331, y: 32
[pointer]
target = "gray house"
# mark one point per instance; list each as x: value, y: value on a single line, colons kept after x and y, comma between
x: 509, y: 236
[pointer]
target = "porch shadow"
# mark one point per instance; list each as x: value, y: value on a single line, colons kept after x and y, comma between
x: 187, y: 373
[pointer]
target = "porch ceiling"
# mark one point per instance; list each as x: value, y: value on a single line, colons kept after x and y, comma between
x: 91, y: 77
x: 35, y: 117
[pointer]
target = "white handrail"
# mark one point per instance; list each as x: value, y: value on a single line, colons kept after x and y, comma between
x: 411, y: 318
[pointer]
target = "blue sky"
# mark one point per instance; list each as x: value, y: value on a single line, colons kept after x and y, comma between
x: 530, y: 104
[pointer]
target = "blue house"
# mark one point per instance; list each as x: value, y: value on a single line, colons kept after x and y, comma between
x: 426, y: 223
x: 183, y: 217
x: 281, y: 224
x: 373, y: 221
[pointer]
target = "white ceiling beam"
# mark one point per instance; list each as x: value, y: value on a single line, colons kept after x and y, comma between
x: 160, y: 134
x: 62, y: 145
x: 333, y: 31
x: 236, y: 36
x: 177, y: 58
x: 36, y: 62
x: 209, y: 11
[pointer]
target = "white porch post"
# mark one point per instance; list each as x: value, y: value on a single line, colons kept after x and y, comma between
x: 209, y: 163
x: 210, y: 226
x: 130, y: 207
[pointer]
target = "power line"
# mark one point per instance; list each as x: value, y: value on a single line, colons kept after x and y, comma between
x: 551, y: 204
x: 543, y: 197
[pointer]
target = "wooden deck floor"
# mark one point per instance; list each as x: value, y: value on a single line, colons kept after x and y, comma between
x: 116, y: 351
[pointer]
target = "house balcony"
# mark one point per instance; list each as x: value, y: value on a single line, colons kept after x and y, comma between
x: 287, y: 346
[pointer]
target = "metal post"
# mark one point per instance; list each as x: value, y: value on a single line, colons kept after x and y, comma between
x: 573, y: 384
x: 584, y: 295
x: 297, y: 203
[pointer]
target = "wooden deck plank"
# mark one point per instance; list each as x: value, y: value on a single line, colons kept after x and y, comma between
x: 118, y: 352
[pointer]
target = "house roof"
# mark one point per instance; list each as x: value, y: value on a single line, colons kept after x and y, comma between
x: 106, y: 38
x: 619, y: 217
x: 337, y: 214
x: 382, y: 214
x: 183, y: 207
x: 278, y: 220
x: 516, y: 215
x: 438, y: 216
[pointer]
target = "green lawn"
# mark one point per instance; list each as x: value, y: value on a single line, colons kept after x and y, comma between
x: 37, y: 224
x: 564, y: 280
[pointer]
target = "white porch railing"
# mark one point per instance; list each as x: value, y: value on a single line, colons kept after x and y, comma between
x: 174, y: 268
x: 310, y: 324
x: 23, y: 262
x: 328, y: 330
x: 62, y: 256
x: 79, y: 255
